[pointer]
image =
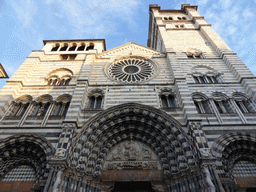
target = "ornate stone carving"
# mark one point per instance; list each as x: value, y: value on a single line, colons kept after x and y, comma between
x: 205, y: 152
x: 131, y: 155
x: 60, y: 153
x: 193, y: 51
x: 69, y: 125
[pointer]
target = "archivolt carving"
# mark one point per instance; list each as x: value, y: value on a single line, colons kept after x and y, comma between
x: 145, y: 124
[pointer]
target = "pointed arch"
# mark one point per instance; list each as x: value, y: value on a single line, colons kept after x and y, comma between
x: 146, y: 124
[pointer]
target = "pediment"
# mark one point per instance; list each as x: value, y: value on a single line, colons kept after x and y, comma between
x: 130, y: 49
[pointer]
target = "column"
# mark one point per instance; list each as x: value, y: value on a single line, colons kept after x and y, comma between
x: 207, y: 160
x: 65, y: 140
x: 238, y: 111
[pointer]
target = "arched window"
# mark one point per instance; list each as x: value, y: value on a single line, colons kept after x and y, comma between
x: 245, y: 104
x: 61, y: 106
x: 202, y: 104
x: 40, y: 109
x: 67, y: 81
x: 168, y: 100
x: 64, y: 47
x: 73, y: 47
x: 222, y: 103
x: 19, y: 109
x: 52, y: 81
x: 61, y: 77
x: 205, y: 75
x: 62, y: 82
x: 81, y: 47
x: 91, y: 46
x: 205, y: 79
x: 55, y: 47
x: 95, y: 100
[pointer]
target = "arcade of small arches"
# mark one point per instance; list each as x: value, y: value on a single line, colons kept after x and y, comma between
x: 204, y: 74
x: 59, y: 77
x: 223, y: 103
x: 26, y: 107
x: 73, y: 47
x: 57, y: 81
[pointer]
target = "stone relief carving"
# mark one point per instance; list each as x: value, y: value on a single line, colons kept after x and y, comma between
x: 131, y: 155
x: 60, y: 153
x: 193, y: 51
x: 205, y: 152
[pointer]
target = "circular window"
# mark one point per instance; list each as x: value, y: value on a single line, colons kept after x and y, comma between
x: 131, y: 70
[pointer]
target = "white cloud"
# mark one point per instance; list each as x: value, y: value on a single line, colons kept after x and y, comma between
x: 247, y: 14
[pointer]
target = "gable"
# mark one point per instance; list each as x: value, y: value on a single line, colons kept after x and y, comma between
x: 130, y: 49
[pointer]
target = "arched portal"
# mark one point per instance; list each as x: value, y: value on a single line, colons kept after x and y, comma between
x: 236, y: 158
x: 134, y: 129
x: 24, y: 161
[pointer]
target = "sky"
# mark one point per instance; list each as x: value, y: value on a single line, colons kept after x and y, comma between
x: 25, y: 24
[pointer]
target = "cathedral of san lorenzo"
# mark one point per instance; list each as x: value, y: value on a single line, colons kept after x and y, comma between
x: 176, y: 116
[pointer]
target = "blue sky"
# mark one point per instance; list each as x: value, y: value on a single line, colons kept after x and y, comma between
x: 26, y: 23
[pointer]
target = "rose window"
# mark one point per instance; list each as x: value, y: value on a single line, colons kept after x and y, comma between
x: 131, y: 70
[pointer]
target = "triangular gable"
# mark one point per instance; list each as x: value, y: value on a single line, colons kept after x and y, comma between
x: 130, y: 49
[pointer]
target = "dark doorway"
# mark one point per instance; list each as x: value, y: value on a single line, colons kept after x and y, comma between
x: 251, y: 189
x: 133, y: 187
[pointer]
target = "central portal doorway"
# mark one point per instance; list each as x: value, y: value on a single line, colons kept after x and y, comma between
x: 141, y: 186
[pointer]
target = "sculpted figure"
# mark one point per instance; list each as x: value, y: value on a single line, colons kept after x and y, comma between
x: 146, y: 154
x: 60, y: 153
x: 130, y: 150
x: 118, y: 154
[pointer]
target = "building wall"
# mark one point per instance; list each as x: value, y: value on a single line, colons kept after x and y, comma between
x: 74, y: 135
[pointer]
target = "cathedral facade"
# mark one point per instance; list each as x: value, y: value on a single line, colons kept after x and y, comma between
x: 177, y: 115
